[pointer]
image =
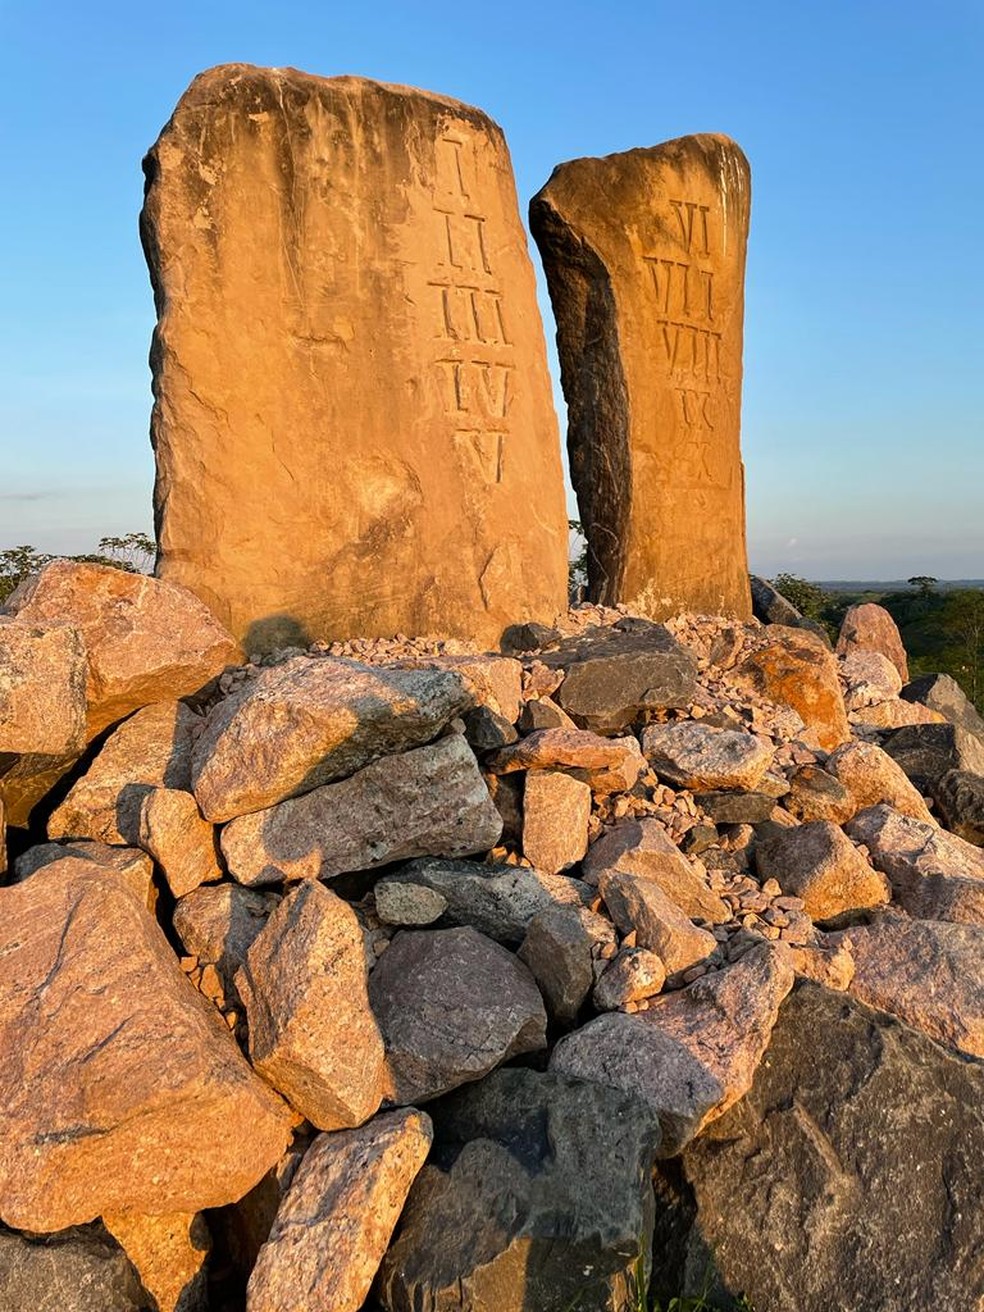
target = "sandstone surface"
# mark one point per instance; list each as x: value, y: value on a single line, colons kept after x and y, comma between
x: 309, y: 721
x: 796, y: 669
x: 818, y: 863
x: 170, y: 828
x: 872, y: 776
x: 169, y: 1253
x: 43, y: 671
x: 431, y: 801
x: 608, y: 765
x: 644, y: 253
x: 122, y: 1088
x: 348, y: 355
x: 869, y: 627
x: 642, y: 847
x: 700, y: 757
x: 556, y: 809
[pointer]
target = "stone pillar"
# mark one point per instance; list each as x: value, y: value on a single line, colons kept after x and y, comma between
x: 353, y: 422
x: 645, y: 260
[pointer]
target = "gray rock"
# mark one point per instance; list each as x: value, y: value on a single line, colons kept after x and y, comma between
x: 736, y: 808
x: 543, y: 713
x: 638, y: 905
x: 960, y: 797
x: 633, y: 975
x: 539, y: 1197
x: 404, y: 903
x: 849, y: 1176
x: 429, y: 802
x: 697, y: 756
x: 815, y: 794
x: 81, y: 1269
x: 486, y: 730
x: 771, y: 607
x: 218, y: 924
x: 520, y: 638
x: 451, y: 1005
x: 643, y: 847
x: 926, y: 752
x: 941, y: 693
x: 562, y: 949
x: 497, y: 900
x: 611, y: 675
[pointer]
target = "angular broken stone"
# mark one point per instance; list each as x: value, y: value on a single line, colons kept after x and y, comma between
x: 562, y: 949
x: 404, y: 903
x: 337, y: 1218
x: 925, y: 752
x: 694, y: 1053
x: 696, y: 756
x: 607, y: 765
x: 538, y: 1196
x: 123, y: 1090
x: 556, y: 810
x: 632, y: 976
x: 451, y: 1005
x: 735, y: 808
x: 642, y: 847
x: 171, y: 829
x: 312, y: 1034
x: 151, y: 749
x: 43, y: 670
x: 487, y: 731
x: 818, y: 863
x: 495, y: 682
x: 217, y: 924
x: 771, y: 607
x: 431, y: 801
x: 134, y: 868
x: 644, y: 253
x: 543, y: 713
x: 169, y: 1253
x: 639, y: 905
x: 960, y: 797
x: 145, y: 640
x: 310, y: 721
x: 611, y: 674
x: 796, y: 669
x: 497, y: 900
x: 869, y: 627
x: 870, y: 678
x: 941, y: 693
x: 871, y: 776
x: 925, y: 972
x: 804, y: 1194
x: 895, y: 714
x: 384, y: 300
x: 935, y: 875
x: 80, y: 1269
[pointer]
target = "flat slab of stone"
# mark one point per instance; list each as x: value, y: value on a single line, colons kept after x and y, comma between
x: 431, y: 801
x: 43, y: 671
x: 696, y: 756
x: 123, y: 1089
x: 643, y: 847
x: 644, y: 253
x: 607, y: 765
x: 451, y: 1005
x: 309, y: 721
x: 312, y: 1034
x: 376, y: 309
x: 611, y: 675
x: 849, y: 1175
x: 538, y: 1196
x: 335, y: 1223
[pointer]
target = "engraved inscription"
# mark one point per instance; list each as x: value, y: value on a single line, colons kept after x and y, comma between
x: 478, y: 387
x: 464, y: 242
x: 694, y: 405
x: 692, y: 219
x: 470, y: 314
x: 451, y: 166
x: 483, y: 450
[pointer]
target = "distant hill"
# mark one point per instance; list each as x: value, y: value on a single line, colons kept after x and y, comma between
x: 893, y: 585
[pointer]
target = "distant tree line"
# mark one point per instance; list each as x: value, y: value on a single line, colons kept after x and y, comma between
x: 133, y: 552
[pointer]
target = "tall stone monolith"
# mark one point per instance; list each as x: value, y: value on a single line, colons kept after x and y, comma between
x: 353, y: 421
x: 645, y: 260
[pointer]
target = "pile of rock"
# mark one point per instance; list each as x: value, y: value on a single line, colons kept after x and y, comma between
x: 387, y: 975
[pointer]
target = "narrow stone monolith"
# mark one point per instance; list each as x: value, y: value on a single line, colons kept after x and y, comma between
x: 645, y: 260
x: 350, y: 376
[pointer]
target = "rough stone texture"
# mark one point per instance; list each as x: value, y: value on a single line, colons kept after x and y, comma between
x: 935, y: 875
x: 452, y: 1005
x: 487, y: 731
x: 145, y: 640
x: 927, y: 973
x: 642, y: 847
x: 941, y: 693
x: 693, y: 1054
x: 849, y: 1176
x: 817, y: 794
x: 171, y: 829
x: 218, y: 924
x: 312, y: 1034
x: 610, y: 675
x: 3, y: 839
x: 869, y: 678
x: 151, y: 749
x: 169, y: 1253
x: 639, y: 904
x: 493, y: 681
x: 431, y: 801
x: 544, y: 713
x: 562, y: 950
x: 735, y: 808
x: 310, y: 721
x: 796, y: 669
x: 871, y: 776
x: 134, y: 868
x: 697, y: 756
x: 960, y: 797
x: 608, y: 765
x: 539, y: 1196
x: 43, y: 672
x: 869, y: 627
x: 123, y: 1090
x: 376, y: 308
x: 895, y: 714
x: 81, y: 1269
x: 404, y: 903
x: 631, y: 976
x: 499, y: 901
x: 556, y: 809
x: 335, y: 1223
x: 818, y: 863
x: 832, y: 966
x: 926, y: 752
x: 771, y: 607
x: 644, y: 254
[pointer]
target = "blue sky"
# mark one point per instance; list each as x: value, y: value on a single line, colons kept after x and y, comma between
x: 863, y: 420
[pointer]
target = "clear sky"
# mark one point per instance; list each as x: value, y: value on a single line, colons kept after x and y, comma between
x: 863, y: 421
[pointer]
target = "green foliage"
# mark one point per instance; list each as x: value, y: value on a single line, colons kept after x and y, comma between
x: 132, y: 552
x: 577, y: 564
x: 924, y: 582
x: 808, y: 598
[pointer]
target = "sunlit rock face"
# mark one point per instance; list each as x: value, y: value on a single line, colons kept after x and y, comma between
x: 352, y: 398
